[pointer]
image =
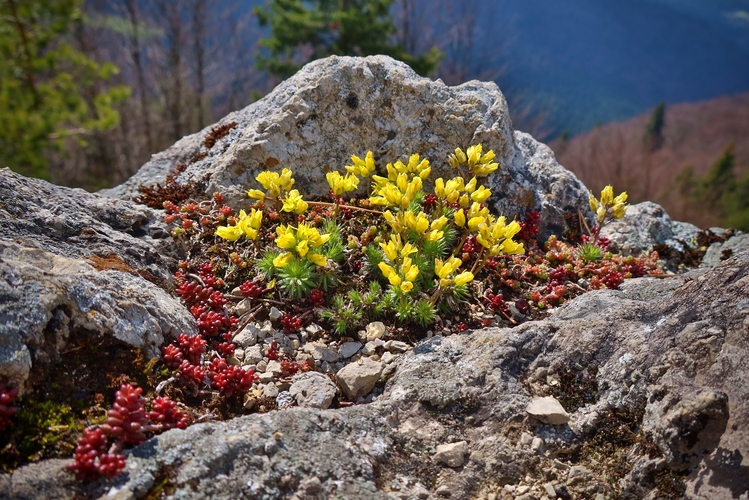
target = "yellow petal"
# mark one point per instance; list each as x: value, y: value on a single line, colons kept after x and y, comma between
x: 607, y: 195
x: 256, y: 194
x: 231, y: 233
x: 283, y: 259
x: 460, y: 218
x: 317, y: 258
x: 406, y: 286
x: 463, y: 278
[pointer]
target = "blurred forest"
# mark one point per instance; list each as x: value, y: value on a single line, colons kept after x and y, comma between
x: 94, y: 88
x: 692, y: 158
x: 90, y: 89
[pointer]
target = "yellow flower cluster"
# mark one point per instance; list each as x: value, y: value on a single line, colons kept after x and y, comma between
x: 480, y: 164
x: 398, y: 194
x: 300, y: 240
x: 405, y: 272
x: 340, y: 184
x: 456, y: 190
x: 362, y: 168
x: 444, y: 271
x: 273, y: 182
x: 493, y: 234
x: 616, y: 206
x: 419, y: 224
x: 247, y: 226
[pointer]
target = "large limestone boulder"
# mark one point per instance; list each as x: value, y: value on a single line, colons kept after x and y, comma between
x: 74, y: 263
x: 339, y: 106
x: 653, y: 377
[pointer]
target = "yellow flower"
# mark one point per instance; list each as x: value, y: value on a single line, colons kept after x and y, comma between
x: 390, y: 274
x: 618, y: 210
x: 294, y: 202
x: 361, y: 167
x: 301, y: 239
x: 480, y: 164
x: 481, y: 194
x: 256, y: 193
x: 274, y: 183
x: 317, y: 258
x: 417, y: 223
x: 607, y: 195
x: 250, y: 224
x: 283, y: 259
x: 231, y: 233
x: 459, y: 217
x: 601, y: 214
x: 438, y: 224
x: 443, y: 270
x: 340, y: 184
x: 463, y: 278
x: 593, y: 202
x: 621, y: 198
x: 457, y: 159
x: 394, y: 221
x: 464, y: 201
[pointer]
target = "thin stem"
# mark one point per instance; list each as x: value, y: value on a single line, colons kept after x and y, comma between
x: 336, y: 205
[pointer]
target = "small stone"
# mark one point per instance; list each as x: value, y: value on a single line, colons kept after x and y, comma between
x: 358, y: 379
x: 525, y: 439
x: 443, y: 491
x: 550, y: 490
x: 247, y: 337
x: 370, y: 347
x: 253, y: 355
x: 284, y: 399
x: 270, y: 390
x: 260, y: 366
x: 233, y: 360
x: 578, y: 474
x: 265, y: 378
x: 522, y: 489
x: 348, y: 349
x: 243, y: 306
x: 537, y: 444
x: 321, y: 352
x: 275, y: 314
x: 274, y: 367
x: 312, y: 390
x: 249, y: 401
x: 548, y: 410
x: 396, y: 346
x: 387, y: 358
x: 375, y: 330
x: 451, y: 454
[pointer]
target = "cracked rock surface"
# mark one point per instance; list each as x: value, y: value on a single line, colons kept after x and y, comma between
x: 658, y: 371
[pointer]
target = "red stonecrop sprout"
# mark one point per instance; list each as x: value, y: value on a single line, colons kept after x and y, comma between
x: 530, y: 225
x: 166, y: 414
x: 229, y: 379
x: 91, y: 459
x: 7, y: 408
x: 127, y: 417
x: 127, y: 423
x: 290, y: 323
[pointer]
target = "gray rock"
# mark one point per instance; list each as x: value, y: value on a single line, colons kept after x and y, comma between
x: 348, y: 349
x: 721, y: 251
x: 253, y: 355
x: 339, y: 106
x: 358, y: 379
x: 275, y: 314
x: 312, y: 390
x: 548, y: 410
x: 692, y: 428
x: 647, y: 224
x: 247, y: 337
x: 321, y: 352
x: 451, y: 454
x: 47, y: 298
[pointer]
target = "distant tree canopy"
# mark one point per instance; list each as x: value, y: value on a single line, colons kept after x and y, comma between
x: 49, y: 92
x: 719, y: 190
x: 302, y: 31
x: 653, y: 137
